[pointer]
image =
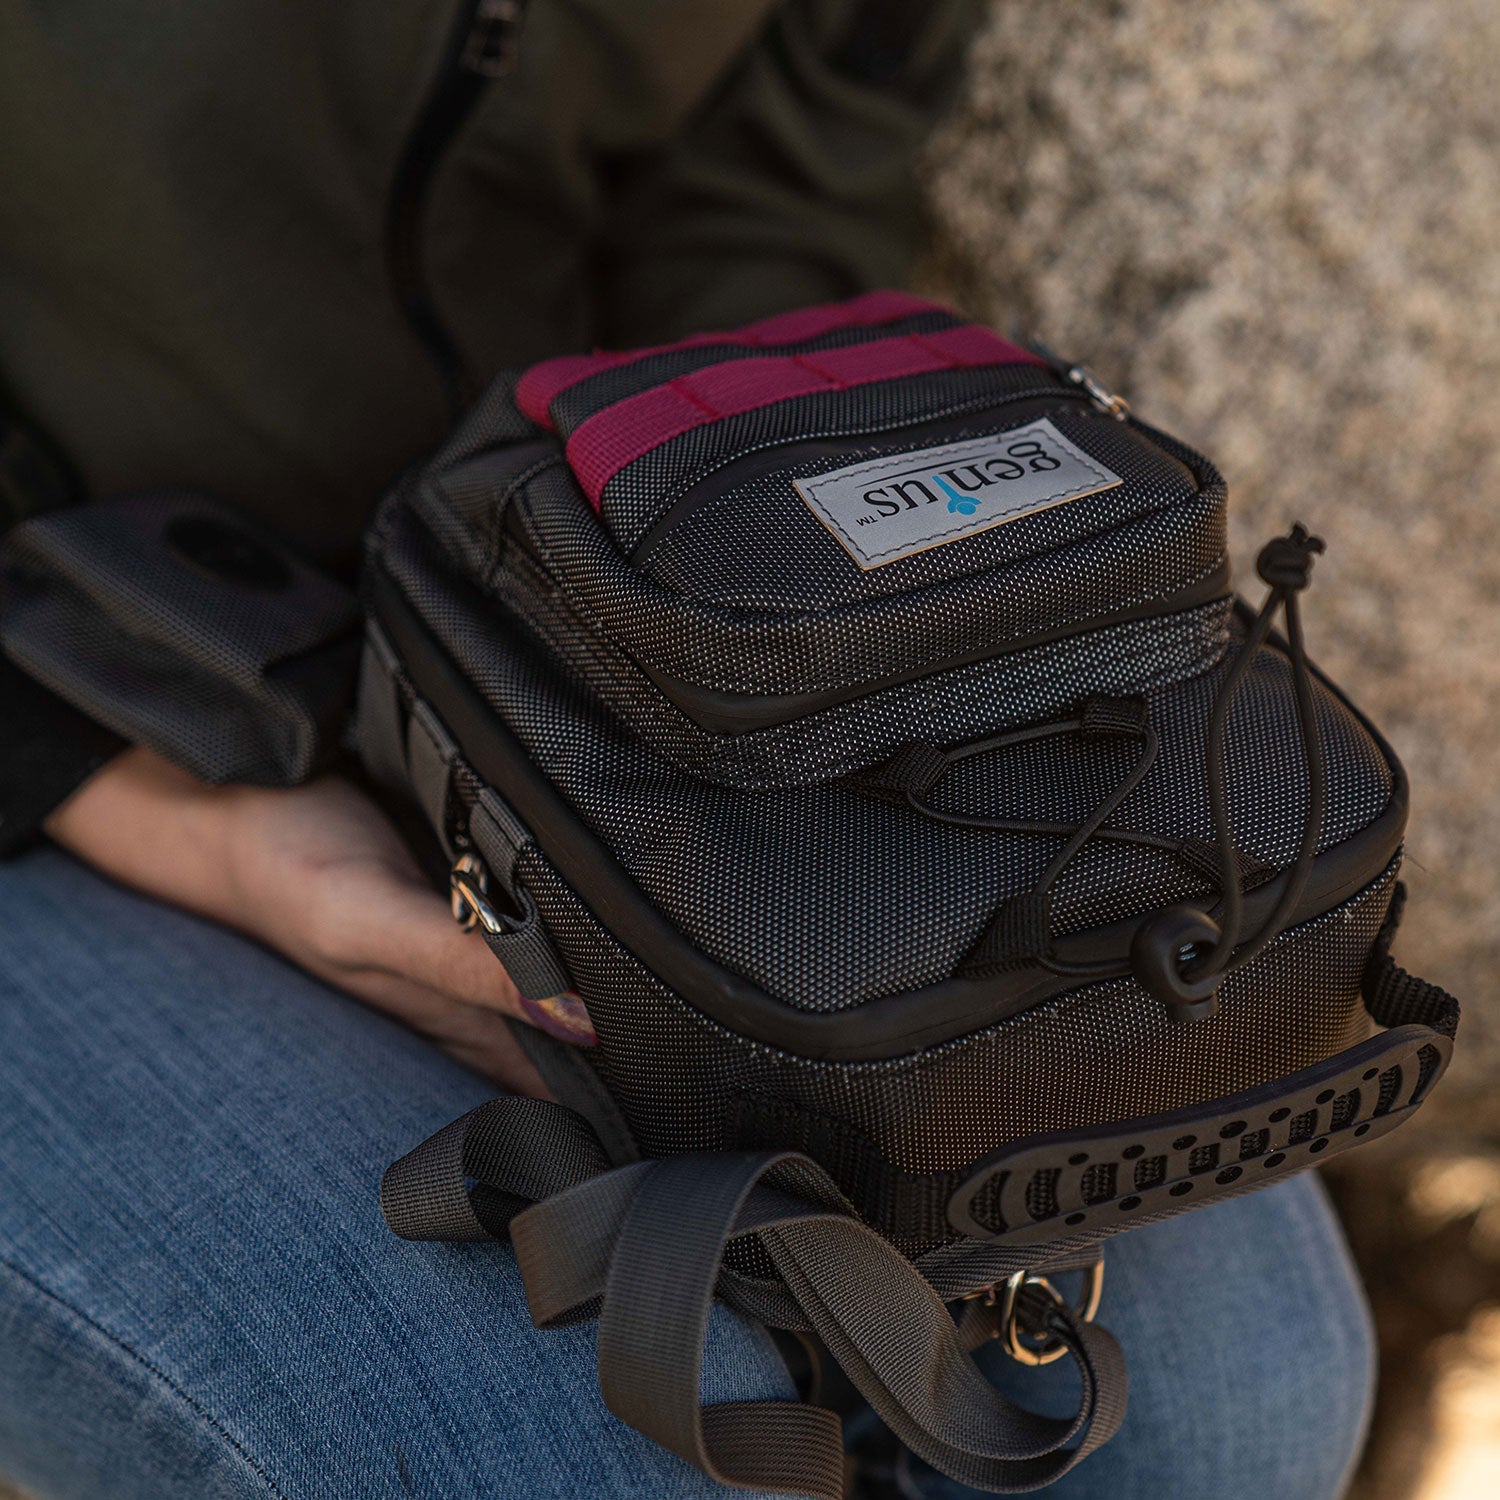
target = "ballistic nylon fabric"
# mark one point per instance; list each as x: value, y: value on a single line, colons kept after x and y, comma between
x: 701, y: 672
x: 641, y: 493
x: 184, y: 626
x: 1104, y: 1052
x: 540, y: 388
x: 957, y: 704
x: 611, y: 383
x: 826, y: 896
x: 1088, y: 546
x: 611, y: 440
x: 749, y: 593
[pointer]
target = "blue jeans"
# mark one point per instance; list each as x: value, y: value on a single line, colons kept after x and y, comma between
x: 198, y: 1298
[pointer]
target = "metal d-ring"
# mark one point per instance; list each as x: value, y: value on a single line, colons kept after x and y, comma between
x: 1048, y: 1348
x: 468, y: 889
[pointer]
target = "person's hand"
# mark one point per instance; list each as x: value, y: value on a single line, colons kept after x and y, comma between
x: 319, y: 874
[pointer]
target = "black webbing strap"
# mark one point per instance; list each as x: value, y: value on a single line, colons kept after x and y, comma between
x: 914, y: 1206
x: 649, y: 1239
x: 1394, y: 997
x: 643, y: 1246
x: 512, y: 1149
x: 897, y: 1342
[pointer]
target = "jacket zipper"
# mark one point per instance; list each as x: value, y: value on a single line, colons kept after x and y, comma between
x: 481, y: 48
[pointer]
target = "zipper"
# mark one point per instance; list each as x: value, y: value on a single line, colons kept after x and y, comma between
x: 1107, y: 400
x: 731, y: 713
x: 1081, y: 383
x: 481, y: 49
x: 885, y: 1027
x: 745, y: 462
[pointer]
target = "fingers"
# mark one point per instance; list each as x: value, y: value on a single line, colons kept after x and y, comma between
x: 480, y: 1039
x: 433, y: 948
x: 564, y: 1016
x: 143, y: 822
x: 317, y: 873
x: 405, y: 929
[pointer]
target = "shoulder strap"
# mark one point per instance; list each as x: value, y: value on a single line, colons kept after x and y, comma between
x: 642, y: 1247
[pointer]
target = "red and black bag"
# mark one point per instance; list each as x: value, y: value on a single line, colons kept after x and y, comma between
x: 854, y: 710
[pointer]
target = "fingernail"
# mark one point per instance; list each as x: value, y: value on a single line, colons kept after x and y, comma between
x: 563, y: 1016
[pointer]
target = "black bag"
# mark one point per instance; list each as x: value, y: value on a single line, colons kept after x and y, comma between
x: 854, y: 710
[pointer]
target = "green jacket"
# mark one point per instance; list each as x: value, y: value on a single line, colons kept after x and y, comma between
x: 268, y: 249
x: 195, y: 203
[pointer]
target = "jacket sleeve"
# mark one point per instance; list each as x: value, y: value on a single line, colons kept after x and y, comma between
x: 175, y: 622
x: 47, y: 750
x: 47, y: 747
x: 795, y: 180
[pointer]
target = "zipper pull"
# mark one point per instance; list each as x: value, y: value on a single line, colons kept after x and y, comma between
x: 1096, y: 390
x: 494, y: 30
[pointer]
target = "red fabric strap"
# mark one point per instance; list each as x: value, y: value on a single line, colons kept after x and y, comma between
x: 543, y: 383
x: 606, y: 442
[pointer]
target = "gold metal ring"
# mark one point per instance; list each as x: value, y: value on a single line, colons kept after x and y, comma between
x: 1026, y: 1349
x: 468, y: 891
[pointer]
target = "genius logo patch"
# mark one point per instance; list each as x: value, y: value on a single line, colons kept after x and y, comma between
x: 891, y: 507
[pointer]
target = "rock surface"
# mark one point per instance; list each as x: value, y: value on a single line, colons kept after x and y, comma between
x: 1275, y: 226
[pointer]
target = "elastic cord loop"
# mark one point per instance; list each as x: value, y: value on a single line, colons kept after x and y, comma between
x: 1285, y: 563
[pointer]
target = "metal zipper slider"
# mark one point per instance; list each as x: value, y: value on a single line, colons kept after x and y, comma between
x: 1099, y: 393
x: 490, y: 50
x: 1096, y: 390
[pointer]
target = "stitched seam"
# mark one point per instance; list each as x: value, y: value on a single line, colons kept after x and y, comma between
x: 803, y: 362
x: 875, y: 467
x: 983, y: 523
x: 953, y: 361
x: 212, y: 1422
x: 725, y: 350
x: 952, y: 408
x: 493, y: 541
x: 688, y: 394
x: 977, y: 523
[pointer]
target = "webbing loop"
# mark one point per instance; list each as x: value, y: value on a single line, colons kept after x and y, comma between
x: 641, y: 1247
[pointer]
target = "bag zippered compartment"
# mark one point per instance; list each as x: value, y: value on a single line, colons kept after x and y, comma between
x: 742, y: 887
x: 859, y: 721
x: 748, y: 687
x: 746, y: 612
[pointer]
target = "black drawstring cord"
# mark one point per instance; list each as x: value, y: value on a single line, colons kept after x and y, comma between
x: 1045, y: 829
x: 1076, y: 834
x: 1167, y: 955
x: 1092, y: 828
x: 1180, y: 954
x: 1099, y: 716
x: 1093, y: 824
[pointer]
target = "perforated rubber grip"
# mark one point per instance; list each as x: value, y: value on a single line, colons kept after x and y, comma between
x: 1073, y: 1181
